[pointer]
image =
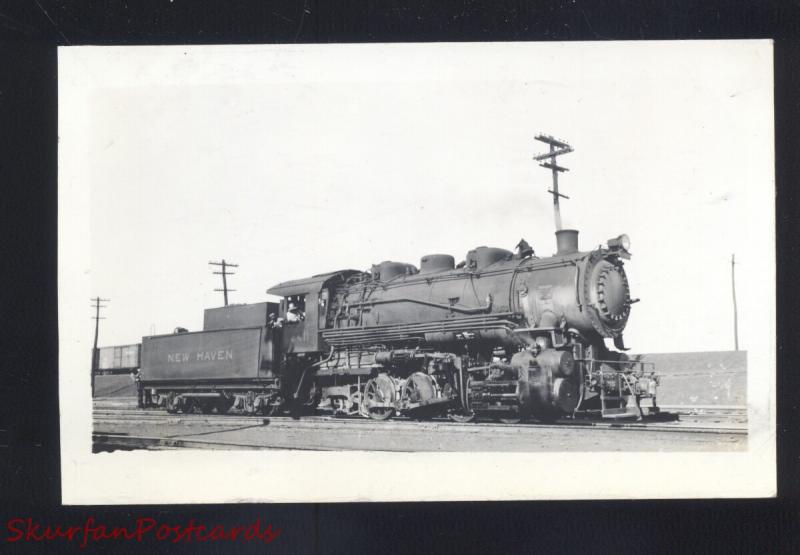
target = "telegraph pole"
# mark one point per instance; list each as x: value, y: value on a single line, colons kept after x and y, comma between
x: 735, y: 315
x: 224, y: 273
x: 557, y: 148
x: 95, y: 352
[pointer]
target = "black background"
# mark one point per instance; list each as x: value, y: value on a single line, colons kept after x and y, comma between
x: 29, y: 441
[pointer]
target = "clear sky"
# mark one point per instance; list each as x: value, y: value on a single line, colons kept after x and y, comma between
x: 296, y: 160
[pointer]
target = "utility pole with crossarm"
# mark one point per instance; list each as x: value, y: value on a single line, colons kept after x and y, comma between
x: 224, y: 273
x: 735, y: 312
x: 95, y: 352
x: 557, y: 148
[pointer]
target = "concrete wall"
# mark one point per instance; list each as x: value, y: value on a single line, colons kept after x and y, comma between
x: 114, y: 386
x: 705, y: 378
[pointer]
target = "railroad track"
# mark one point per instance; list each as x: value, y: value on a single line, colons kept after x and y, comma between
x: 106, y: 441
x: 734, y: 410
x: 119, y: 425
x: 132, y: 416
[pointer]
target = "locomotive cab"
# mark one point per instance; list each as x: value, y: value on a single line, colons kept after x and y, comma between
x: 304, y: 310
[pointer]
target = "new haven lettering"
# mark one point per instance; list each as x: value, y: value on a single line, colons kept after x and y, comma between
x: 201, y: 356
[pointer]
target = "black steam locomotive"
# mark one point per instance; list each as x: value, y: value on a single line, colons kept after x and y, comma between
x: 502, y: 334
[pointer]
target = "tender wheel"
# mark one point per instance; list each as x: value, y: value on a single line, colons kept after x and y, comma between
x: 169, y: 403
x: 379, y: 391
x: 271, y: 410
x: 249, y: 402
x: 273, y: 407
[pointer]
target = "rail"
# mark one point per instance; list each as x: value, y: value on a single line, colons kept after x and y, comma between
x: 135, y: 417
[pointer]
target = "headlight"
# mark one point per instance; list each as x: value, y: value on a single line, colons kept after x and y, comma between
x: 622, y: 242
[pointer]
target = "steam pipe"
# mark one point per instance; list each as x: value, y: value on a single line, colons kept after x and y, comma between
x: 315, y: 365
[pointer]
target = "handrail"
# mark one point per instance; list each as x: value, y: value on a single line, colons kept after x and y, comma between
x: 453, y: 307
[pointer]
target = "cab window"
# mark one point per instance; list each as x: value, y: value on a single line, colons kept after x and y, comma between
x: 295, y: 308
x: 323, y: 308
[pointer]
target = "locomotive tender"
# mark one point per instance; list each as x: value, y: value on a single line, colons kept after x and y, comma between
x: 502, y: 334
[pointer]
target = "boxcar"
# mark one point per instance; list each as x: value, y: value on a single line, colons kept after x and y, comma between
x: 119, y: 359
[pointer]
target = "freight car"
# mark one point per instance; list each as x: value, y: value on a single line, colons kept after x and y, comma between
x: 503, y: 335
x: 118, y: 359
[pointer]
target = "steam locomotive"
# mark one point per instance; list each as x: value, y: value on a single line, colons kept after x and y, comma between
x: 505, y: 335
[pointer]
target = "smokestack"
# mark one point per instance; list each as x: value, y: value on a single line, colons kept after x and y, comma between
x: 567, y: 241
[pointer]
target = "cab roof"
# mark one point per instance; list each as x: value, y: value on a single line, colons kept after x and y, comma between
x: 311, y: 284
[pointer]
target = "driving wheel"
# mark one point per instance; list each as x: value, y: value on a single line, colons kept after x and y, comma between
x: 379, y: 397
